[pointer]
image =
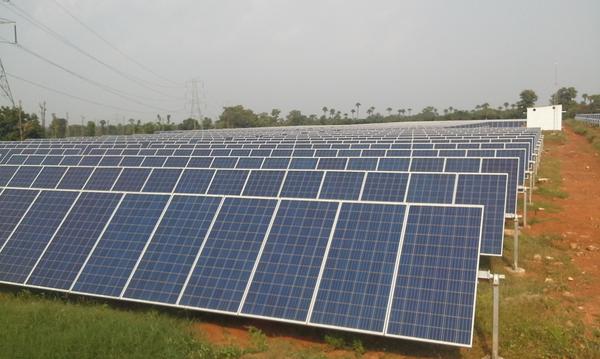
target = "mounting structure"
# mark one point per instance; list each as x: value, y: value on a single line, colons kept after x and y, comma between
x: 495, y: 279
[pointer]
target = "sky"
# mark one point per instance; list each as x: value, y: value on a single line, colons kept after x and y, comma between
x: 303, y: 55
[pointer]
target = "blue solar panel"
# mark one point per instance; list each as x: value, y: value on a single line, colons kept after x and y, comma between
x: 52, y: 160
x: 223, y: 267
x: 427, y: 165
x: 25, y: 176
x: 394, y: 164
x: 356, y: 281
x: 75, y: 178
x: 431, y: 188
x: 224, y: 162
x: 33, y: 234
x: 131, y: 161
x: 523, y: 162
x: 264, y: 183
x: 228, y: 182
x: 276, y: 163
x: 511, y: 167
x: 70, y: 160
x: 132, y: 179
x: 424, y: 153
x: 110, y: 161
x: 462, y: 165
x: 90, y: 160
x: 153, y: 161
x: 342, y: 185
x: 103, y: 179
x: 34, y: 160
x: 162, y: 180
x: 168, y: 259
x: 17, y: 159
x: 117, y: 252
x: 250, y: 162
x: 452, y: 153
x: 13, y: 204
x: 490, y: 191
x: 385, y: 187
x: 49, y: 177
x: 303, y: 163
x: 434, y: 296
x: 194, y: 181
x: 6, y: 173
x: 176, y: 162
x: 362, y: 164
x: 332, y: 163
x: 288, y: 268
x: 302, y: 184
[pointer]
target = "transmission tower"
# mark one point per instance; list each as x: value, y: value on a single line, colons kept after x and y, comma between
x: 4, y: 86
x: 195, y: 103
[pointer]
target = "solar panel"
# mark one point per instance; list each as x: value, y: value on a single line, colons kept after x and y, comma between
x: 32, y: 235
x: 49, y: 177
x: 342, y: 185
x: 288, y: 267
x: 228, y: 182
x: 194, y: 181
x: 224, y: 264
x: 132, y: 179
x: 13, y: 204
x: 264, y: 183
x: 431, y: 188
x: 434, y: 290
x: 75, y: 178
x: 385, y: 186
x: 6, y: 173
x: 25, y: 176
x: 103, y: 179
x: 164, y: 267
x: 116, y: 252
x: 302, y: 184
x: 427, y: 164
x: 303, y: 163
x: 356, y: 280
x: 162, y: 180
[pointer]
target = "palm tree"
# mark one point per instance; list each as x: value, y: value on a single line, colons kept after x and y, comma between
x: 445, y: 112
x: 331, y: 112
x: 102, y: 124
x: 389, y: 111
x: 357, y: 108
x: 353, y: 112
x: 506, y: 105
x: 345, y: 115
x: 370, y: 110
x: 451, y: 109
x: 324, y: 109
x: 409, y: 111
x: 402, y: 111
x: 585, y: 98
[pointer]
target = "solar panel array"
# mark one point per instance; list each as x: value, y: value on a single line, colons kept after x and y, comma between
x: 369, y: 230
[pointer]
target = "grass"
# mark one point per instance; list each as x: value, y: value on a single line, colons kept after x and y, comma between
x: 591, y: 133
x: 35, y: 326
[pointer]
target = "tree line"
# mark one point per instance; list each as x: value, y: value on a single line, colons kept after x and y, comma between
x: 241, y: 117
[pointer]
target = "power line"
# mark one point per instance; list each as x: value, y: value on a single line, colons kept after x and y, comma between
x: 106, y: 88
x: 114, y: 47
x: 22, y: 13
x: 73, y: 96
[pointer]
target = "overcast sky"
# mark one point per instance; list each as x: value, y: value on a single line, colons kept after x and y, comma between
x: 304, y: 55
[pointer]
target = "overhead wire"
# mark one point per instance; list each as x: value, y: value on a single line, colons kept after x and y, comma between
x: 23, y: 14
x: 115, y: 48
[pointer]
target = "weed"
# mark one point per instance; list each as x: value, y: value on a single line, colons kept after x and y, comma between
x: 258, y: 339
x: 335, y: 341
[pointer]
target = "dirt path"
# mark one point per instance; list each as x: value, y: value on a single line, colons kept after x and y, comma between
x: 578, y: 221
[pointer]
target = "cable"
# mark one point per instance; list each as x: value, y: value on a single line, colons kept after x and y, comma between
x: 20, y: 12
x: 81, y: 77
x: 73, y: 96
x: 103, y: 39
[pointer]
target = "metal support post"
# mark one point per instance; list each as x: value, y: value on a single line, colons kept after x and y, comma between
x: 495, y: 279
x: 524, y: 207
x: 515, y: 267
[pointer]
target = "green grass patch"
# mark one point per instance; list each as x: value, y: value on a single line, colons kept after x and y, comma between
x: 35, y: 326
x: 550, y: 170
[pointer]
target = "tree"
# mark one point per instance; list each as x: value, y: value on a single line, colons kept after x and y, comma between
x: 370, y: 111
x: 207, y: 123
x: 90, y: 129
x: 564, y: 96
x: 331, y: 112
x: 353, y: 111
x: 275, y: 116
x: 389, y: 111
x: 324, y: 109
x: 236, y: 116
x: 296, y: 118
x: 409, y: 111
x: 506, y: 105
x: 58, y: 127
x: 585, y: 98
x: 9, y: 124
x: 189, y: 124
x: 527, y: 99
x: 102, y: 126
x: 357, y: 108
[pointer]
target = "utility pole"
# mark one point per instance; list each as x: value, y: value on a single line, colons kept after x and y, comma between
x: 67, y: 132
x: 195, y: 104
x: 43, y: 116
x: 20, y: 110
x: 82, y: 121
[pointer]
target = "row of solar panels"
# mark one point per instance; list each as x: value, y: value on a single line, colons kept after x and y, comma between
x: 488, y: 189
x: 400, y: 270
x: 508, y: 165
x: 261, y: 159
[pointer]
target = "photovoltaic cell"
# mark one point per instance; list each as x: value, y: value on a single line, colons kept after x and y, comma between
x: 194, y: 181
x: 224, y: 265
x: 224, y: 162
x: 302, y: 184
x: 162, y: 180
x: 49, y: 177
x: 264, y: 183
x: 431, y: 188
x: 132, y: 179
x: 13, y: 204
x: 228, y: 182
x: 6, y: 173
x: 427, y: 164
x: 25, y: 176
x: 131, y: 161
x: 511, y: 167
x: 276, y: 163
x: 69, y: 248
x: 287, y: 272
x: 490, y: 191
x: 434, y: 296
x: 33, y: 234
x: 169, y: 257
x: 117, y: 252
x: 303, y: 163
x: 394, y: 164
x: 384, y: 186
x: 462, y: 165
x: 103, y: 179
x: 249, y: 162
x: 342, y: 185
x: 357, y: 278
x: 332, y: 163
x: 75, y: 178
